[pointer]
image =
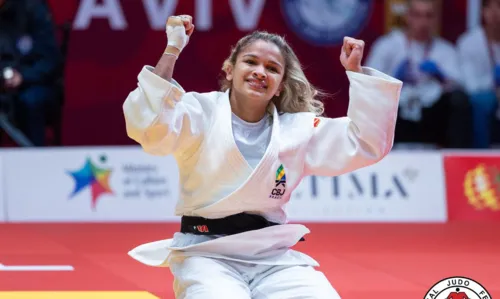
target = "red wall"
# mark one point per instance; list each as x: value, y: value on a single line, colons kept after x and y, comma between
x: 103, y: 63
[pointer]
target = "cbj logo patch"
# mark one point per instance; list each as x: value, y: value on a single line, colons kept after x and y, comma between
x: 280, y: 184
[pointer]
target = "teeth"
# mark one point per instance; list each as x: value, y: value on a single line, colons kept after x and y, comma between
x: 258, y: 84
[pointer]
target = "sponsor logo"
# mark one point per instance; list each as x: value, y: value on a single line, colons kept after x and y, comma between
x: 316, y: 122
x: 201, y: 228
x: 473, y: 187
x: 482, y: 187
x: 90, y: 176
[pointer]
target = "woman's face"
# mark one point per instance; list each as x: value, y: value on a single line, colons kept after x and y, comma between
x: 258, y: 72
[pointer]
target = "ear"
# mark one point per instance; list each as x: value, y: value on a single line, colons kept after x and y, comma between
x: 280, y: 89
x: 229, y: 73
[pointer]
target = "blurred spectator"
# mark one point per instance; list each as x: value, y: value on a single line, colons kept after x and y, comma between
x: 433, y: 109
x: 30, y: 53
x: 479, y: 51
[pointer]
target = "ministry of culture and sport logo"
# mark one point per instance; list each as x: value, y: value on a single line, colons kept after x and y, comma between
x: 326, y: 22
x: 457, y: 288
x: 482, y: 187
x: 92, y: 177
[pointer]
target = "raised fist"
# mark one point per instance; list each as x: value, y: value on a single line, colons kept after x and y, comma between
x: 352, y: 54
x: 179, y: 29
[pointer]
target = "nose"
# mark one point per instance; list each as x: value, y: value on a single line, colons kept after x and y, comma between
x: 259, y: 72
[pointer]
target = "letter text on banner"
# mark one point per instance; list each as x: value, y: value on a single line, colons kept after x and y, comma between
x: 403, y: 187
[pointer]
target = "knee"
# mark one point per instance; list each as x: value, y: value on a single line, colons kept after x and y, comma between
x: 35, y: 97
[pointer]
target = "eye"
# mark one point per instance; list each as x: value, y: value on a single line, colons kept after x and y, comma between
x: 273, y: 69
x: 249, y: 61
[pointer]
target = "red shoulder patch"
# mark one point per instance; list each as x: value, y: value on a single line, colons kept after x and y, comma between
x: 316, y: 122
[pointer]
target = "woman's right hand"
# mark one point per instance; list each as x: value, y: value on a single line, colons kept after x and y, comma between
x: 179, y: 29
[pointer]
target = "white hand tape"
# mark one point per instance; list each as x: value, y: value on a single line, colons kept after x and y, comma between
x: 177, y: 36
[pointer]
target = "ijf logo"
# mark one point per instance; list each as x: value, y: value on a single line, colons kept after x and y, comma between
x: 93, y: 177
x: 457, y: 288
x: 326, y: 22
x: 279, y: 184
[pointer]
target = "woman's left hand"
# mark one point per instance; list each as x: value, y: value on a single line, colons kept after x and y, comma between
x: 352, y: 54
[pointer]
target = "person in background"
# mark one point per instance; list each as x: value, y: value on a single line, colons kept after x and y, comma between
x: 433, y: 108
x: 29, y: 60
x: 479, y: 52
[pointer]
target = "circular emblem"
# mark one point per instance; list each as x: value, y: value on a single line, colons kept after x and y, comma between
x: 326, y: 22
x: 457, y: 288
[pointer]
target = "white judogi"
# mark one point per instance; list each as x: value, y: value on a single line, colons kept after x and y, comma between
x: 390, y: 50
x: 216, y: 180
x: 478, y: 58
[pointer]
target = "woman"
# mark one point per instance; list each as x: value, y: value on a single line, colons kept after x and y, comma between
x: 242, y: 151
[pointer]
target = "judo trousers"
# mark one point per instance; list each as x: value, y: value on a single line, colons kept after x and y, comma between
x: 198, y: 277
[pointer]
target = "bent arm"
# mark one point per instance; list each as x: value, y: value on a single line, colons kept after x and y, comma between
x: 160, y: 116
x: 165, y: 66
x: 362, y: 138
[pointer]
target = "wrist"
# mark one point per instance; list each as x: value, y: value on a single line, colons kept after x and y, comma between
x: 171, y: 50
x: 357, y: 69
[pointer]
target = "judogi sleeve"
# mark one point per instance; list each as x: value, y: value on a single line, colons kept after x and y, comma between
x: 365, y: 135
x: 161, y: 117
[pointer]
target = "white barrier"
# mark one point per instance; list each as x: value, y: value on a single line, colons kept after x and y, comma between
x: 403, y: 187
x: 116, y: 184
x: 89, y: 184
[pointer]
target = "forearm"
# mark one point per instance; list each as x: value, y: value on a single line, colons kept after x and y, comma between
x: 345, y: 144
x: 165, y: 66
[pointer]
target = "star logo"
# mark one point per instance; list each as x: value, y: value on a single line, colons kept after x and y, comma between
x: 97, y: 179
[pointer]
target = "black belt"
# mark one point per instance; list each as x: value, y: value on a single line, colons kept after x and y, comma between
x: 229, y: 225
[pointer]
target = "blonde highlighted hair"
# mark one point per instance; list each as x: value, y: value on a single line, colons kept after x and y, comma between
x: 298, y: 94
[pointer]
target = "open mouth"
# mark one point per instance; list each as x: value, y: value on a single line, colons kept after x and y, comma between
x: 257, y: 84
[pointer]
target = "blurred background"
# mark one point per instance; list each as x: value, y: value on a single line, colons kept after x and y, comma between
x: 68, y: 65
x: 82, y: 57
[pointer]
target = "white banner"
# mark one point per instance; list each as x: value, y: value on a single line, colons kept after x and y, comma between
x: 403, y: 187
x: 3, y: 202
x: 90, y: 184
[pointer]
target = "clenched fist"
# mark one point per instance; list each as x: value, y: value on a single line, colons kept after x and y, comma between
x: 352, y: 54
x: 179, y: 29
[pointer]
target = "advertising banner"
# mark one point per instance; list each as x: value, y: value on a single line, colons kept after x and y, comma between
x: 403, y: 187
x: 473, y: 186
x: 90, y: 184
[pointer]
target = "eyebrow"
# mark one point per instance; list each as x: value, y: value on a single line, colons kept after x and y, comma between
x: 272, y: 61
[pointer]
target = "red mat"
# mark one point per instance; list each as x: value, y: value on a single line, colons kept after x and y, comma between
x: 389, y: 261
